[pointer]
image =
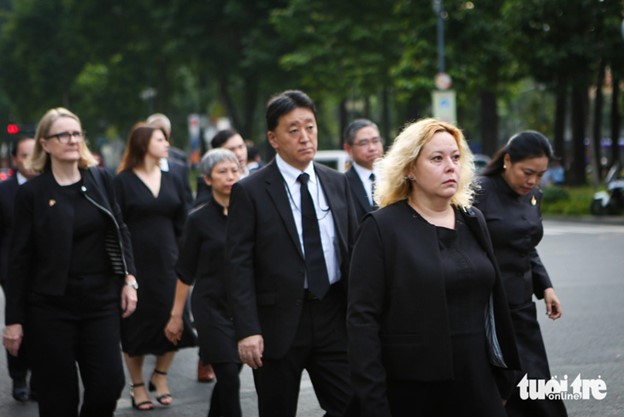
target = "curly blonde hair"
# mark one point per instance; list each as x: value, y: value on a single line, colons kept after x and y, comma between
x: 40, y: 160
x: 400, y: 159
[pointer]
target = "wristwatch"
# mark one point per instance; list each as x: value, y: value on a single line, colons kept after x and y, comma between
x: 133, y: 284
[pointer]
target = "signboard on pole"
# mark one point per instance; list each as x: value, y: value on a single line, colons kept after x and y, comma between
x: 444, y: 106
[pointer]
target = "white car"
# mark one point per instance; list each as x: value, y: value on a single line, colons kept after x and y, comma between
x: 337, y: 159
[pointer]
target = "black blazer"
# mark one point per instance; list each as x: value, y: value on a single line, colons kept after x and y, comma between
x: 360, y: 198
x: 515, y: 225
x: 43, y: 233
x: 265, y: 262
x: 396, y: 275
x: 8, y: 189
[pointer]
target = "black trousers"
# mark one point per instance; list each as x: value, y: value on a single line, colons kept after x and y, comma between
x: 225, y: 401
x: 78, y: 331
x: 320, y: 347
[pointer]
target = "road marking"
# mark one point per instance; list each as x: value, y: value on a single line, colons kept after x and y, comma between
x: 557, y: 228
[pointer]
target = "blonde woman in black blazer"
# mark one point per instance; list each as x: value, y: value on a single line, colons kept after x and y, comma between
x: 427, y: 319
x: 70, y: 259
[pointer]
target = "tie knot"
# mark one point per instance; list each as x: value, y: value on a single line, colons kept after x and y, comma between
x: 372, y: 177
x: 303, y: 179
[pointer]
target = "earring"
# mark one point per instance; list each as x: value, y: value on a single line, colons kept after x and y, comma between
x: 504, y: 166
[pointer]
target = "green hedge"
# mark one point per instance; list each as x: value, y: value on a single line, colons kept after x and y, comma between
x: 567, y: 200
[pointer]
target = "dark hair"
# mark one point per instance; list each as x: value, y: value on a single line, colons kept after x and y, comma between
x: 16, y: 144
x: 351, y: 131
x: 138, y: 142
x: 284, y: 103
x: 221, y: 137
x: 524, y: 145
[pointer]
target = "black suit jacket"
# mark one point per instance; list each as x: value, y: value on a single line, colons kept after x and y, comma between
x: 8, y: 189
x: 360, y: 198
x: 264, y: 257
x: 397, y: 318
x: 43, y: 234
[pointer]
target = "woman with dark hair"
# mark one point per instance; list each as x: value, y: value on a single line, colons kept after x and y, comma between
x: 202, y: 263
x: 71, y: 274
x: 153, y: 205
x: 510, y: 201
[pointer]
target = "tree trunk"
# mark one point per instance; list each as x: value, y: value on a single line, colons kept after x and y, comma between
x: 249, y: 106
x: 616, y: 119
x: 226, y: 98
x: 579, y: 123
x: 489, y: 122
x: 560, y: 120
x: 596, y: 137
x: 344, y: 118
x: 385, y: 115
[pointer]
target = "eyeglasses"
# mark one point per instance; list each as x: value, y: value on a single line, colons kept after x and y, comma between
x: 65, y: 137
x: 367, y: 142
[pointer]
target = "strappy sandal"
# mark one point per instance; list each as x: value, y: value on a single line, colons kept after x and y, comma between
x: 162, y: 397
x: 146, y: 405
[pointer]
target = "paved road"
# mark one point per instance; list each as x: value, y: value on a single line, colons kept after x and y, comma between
x: 586, y: 263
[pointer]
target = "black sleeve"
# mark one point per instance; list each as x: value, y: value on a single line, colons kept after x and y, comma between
x: 188, y: 259
x: 21, y: 257
x: 367, y: 292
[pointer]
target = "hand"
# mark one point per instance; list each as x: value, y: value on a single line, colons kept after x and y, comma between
x: 173, y: 330
x: 129, y: 300
x: 553, y: 306
x: 250, y: 350
x: 12, y: 338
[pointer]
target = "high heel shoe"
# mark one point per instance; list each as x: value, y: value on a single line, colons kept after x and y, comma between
x: 162, y: 398
x: 146, y: 405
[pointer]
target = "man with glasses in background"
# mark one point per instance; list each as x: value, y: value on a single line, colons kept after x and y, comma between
x: 364, y: 145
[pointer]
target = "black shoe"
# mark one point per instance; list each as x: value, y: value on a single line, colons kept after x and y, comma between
x: 20, y: 391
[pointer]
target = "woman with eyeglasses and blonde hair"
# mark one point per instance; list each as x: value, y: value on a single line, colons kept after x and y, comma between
x: 154, y: 206
x: 71, y: 274
x: 429, y: 328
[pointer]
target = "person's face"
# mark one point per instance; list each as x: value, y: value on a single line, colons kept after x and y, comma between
x: 436, y: 172
x: 222, y: 177
x: 236, y: 144
x: 367, y: 147
x: 63, y: 140
x: 524, y: 175
x: 158, y: 146
x: 24, y: 151
x: 295, y: 137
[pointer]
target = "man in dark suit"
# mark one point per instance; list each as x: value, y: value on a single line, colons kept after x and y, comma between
x: 22, y: 149
x: 364, y: 145
x: 290, y: 229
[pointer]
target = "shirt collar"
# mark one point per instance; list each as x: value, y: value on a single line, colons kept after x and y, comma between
x: 20, y: 178
x: 290, y: 173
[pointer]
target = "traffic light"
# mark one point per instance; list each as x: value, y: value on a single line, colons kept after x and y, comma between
x: 12, y: 129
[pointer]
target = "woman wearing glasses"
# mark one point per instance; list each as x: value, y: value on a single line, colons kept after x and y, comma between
x: 153, y: 204
x: 71, y: 274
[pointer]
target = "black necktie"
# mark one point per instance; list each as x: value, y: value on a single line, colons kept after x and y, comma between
x: 318, y: 281
x: 371, y: 177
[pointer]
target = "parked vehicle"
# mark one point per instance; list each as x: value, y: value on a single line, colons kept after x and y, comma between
x: 610, y: 201
x: 336, y: 159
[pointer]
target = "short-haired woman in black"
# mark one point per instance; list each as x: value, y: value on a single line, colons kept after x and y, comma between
x: 71, y: 276
x: 202, y: 262
x: 510, y: 201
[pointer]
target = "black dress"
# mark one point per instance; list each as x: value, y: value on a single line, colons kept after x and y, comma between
x: 202, y: 262
x: 155, y: 225
x: 469, y: 277
x: 515, y: 226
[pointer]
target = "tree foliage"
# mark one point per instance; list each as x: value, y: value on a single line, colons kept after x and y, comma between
x: 355, y: 58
